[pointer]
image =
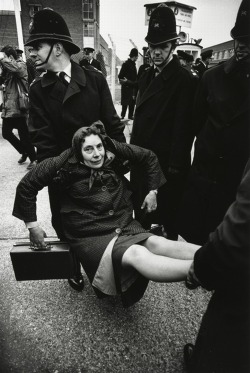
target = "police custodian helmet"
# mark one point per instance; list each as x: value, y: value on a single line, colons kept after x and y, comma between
x: 162, y: 26
x: 49, y: 25
x: 242, y: 24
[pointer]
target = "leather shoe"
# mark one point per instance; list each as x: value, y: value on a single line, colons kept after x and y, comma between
x: 188, y: 352
x: 22, y: 159
x: 76, y: 282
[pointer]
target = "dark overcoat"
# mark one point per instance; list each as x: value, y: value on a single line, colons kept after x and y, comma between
x: 222, y: 121
x: 55, y: 115
x: 128, y: 90
x: 163, y: 121
x: 223, y: 265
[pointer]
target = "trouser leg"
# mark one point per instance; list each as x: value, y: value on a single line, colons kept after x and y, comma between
x: 25, y: 139
x: 7, y: 131
x: 124, y: 109
x: 131, y: 110
x: 56, y: 220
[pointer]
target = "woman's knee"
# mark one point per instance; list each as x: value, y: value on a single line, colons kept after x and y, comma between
x: 154, y: 242
x: 133, y: 254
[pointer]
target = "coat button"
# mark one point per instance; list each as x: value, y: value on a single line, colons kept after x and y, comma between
x: 104, y: 188
x: 111, y: 212
x: 118, y: 230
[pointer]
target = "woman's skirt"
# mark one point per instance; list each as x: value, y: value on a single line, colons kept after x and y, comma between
x: 103, y: 267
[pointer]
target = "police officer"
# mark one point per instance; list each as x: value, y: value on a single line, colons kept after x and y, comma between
x: 221, y: 121
x: 89, y: 60
x: 203, y: 64
x: 65, y: 98
x: 128, y: 80
x: 162, y: 120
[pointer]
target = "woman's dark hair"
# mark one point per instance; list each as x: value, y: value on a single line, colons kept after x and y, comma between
x: 96, y: 128
x: 9, y: 51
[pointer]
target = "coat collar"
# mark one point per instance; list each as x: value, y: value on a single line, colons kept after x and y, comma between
x: 77, y: 75
x: 150, y: 86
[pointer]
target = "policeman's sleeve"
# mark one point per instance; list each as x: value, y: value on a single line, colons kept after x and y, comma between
x: 112, y: 123
x: 225, y: 259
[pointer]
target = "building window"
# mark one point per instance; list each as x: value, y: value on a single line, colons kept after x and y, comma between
x: 88, y: 9
x: 34, y: 8
x: 88, y: 29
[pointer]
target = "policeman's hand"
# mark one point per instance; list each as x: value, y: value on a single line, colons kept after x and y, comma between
x: 192, y: 282
x: 123, y: 81
x: 150, y: 202
x: 37, y: 235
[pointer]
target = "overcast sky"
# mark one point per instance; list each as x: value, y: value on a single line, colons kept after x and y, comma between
x: 125, y: 19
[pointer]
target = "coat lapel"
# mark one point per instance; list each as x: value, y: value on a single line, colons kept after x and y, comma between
x: 151, y: 86
x: 78, y: 78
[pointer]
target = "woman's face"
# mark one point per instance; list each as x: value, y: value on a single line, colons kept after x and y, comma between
x: 93, y: 151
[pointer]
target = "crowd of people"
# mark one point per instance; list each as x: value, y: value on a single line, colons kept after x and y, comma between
x: 76, y: 146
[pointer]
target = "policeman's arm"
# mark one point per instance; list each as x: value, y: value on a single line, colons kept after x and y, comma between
x: 113, y: 125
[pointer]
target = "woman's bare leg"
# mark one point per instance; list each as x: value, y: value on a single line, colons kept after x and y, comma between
x: 172, y: 249
x: 155, y: 267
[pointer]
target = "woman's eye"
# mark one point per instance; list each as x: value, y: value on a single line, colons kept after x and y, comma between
x: 88, y: 150
x: 99, y: 147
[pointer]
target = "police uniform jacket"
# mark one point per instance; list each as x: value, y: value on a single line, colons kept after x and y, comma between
x: 57, y: 112
x: 221, y: 149
x: 162, y: 120
x: 129, y: 89
x: 94, y: 208
x: 223, y: 265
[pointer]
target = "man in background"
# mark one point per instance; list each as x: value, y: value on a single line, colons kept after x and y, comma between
x: 89, y: 60
x: 202, y: 65
x: 128, y: 80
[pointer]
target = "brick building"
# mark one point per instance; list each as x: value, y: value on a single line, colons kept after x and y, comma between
x: 222, y: 51
x: 81, y: 16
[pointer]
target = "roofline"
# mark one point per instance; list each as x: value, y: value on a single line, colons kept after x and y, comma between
x: 171, y: 3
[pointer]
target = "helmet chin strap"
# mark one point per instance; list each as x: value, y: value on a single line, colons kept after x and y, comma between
x: 43, y: 63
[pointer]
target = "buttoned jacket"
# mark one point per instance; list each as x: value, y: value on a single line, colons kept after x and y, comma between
x: 90, y: 211
x: 162, y: 120
x: 56, y: 112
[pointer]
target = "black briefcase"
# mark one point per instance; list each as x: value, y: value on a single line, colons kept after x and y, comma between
x: 29, y: 263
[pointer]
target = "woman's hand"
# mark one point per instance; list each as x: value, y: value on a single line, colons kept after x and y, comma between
x: 150, y: 202
x: 37, y: 235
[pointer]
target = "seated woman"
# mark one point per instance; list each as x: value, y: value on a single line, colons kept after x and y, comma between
x: 117, y: 254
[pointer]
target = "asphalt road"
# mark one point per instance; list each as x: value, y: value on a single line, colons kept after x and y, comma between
x: 47, y: 327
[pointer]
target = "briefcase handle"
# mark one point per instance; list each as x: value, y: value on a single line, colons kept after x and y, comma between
x: 48, y: 247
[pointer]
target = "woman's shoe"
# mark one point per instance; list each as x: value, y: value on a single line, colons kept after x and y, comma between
x: 76, y: 282
x: 22, y: 159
